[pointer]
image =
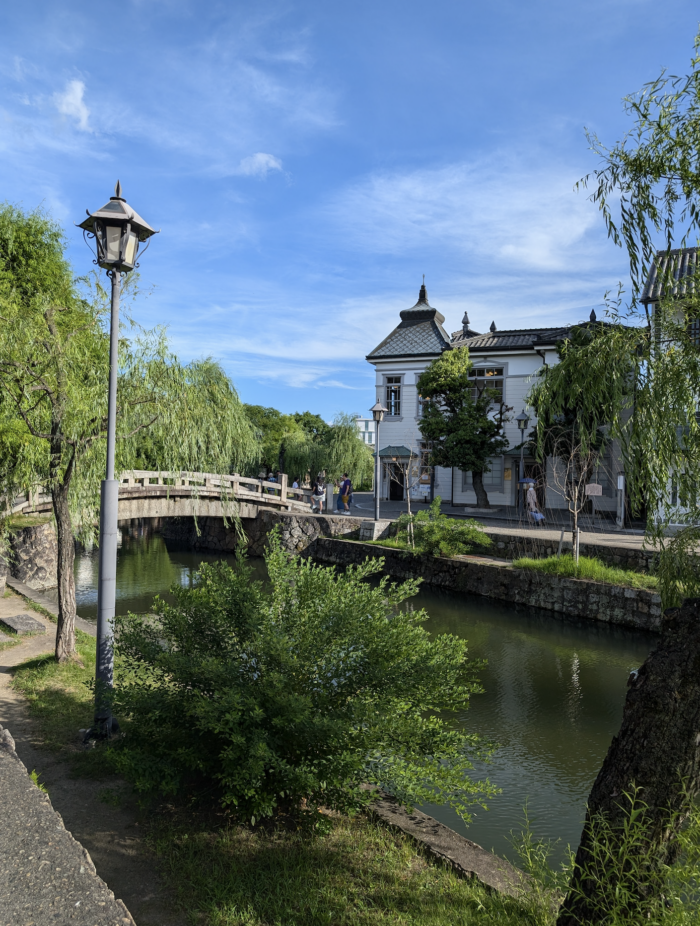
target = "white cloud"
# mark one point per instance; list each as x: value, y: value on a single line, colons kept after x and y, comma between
x: 510, y: 214
x: 71, y: 103
x: 258, y: 165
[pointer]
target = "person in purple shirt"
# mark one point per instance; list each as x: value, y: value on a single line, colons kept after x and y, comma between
x: 346, y: 492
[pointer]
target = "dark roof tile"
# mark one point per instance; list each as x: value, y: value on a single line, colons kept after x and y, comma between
x: 680, y: 266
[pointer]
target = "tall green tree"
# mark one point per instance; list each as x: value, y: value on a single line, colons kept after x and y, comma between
x: 465, y: 430
x: 346, y: 452
x: 274, y: 430
x: 54, y: 363
x: 312, y: 424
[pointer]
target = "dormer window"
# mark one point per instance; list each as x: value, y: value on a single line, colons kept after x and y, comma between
x: 490, y: 378
x: 393, y: 396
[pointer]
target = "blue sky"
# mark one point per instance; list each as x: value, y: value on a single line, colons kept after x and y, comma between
x: 308, y: 162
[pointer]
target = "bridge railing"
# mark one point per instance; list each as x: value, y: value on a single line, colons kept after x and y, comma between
x: 235, y: 485
x: 35, y: 499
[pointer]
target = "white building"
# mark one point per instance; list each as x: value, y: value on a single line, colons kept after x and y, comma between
x: 509, y: 359
x: 365, y: 429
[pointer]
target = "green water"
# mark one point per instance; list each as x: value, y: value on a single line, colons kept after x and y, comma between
x: 554, y: 689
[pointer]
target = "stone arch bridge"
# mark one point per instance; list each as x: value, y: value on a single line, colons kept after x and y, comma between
x: 193, y: 509
x: 144, y: 494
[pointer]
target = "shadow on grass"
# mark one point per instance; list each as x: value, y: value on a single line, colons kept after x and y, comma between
x: 61, y: 703
x: 360, y: 873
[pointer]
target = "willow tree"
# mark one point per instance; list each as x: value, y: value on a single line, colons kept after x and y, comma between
x: 648, y: 189
x: 54, y: 364
x: 346, y: 452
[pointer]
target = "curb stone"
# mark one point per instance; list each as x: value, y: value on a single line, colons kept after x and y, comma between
x: 46, y: 876
x: 466, y: 858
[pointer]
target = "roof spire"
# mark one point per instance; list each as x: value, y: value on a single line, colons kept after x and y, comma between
x: 465, y: 321
x: 492, y: 327
x: 592, y: 315
x: 423, y: 295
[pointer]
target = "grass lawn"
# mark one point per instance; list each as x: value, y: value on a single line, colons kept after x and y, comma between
x: 359, y: 873
x: 18, y: 521
x: 57, y: 694
x: 588, y: 568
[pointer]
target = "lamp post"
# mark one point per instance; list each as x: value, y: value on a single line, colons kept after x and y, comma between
x: 523, y: 421
x: 378, y: 412
x: 117, y: 231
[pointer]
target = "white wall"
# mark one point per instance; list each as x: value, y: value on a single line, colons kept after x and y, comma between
x: 519, y: 370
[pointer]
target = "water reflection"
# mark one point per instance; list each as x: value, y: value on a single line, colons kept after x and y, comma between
x: 554, y: 689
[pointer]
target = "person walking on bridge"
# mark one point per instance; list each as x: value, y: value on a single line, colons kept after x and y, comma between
x: 318, y: 493
x: 346, y: 492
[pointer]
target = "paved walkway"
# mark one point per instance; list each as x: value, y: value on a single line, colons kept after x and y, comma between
x: 41, y: 868
x: 506, y: 521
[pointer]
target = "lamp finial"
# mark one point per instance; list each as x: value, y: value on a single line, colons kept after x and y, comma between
x: 118, y: 189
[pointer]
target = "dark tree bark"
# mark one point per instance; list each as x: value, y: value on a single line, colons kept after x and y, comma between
x: 482, y: 498
x: 658, y: 751
x: 65, y: 631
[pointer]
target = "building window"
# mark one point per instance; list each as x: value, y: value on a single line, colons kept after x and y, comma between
x: 694, y: 332
x: 422, y: 403
x: 493, y: 480
x: 484, y: 378
x: 393, y: 396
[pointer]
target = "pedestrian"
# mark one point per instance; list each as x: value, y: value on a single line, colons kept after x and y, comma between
x: 346, y: 492
x: 339, y: 497
x: 318, y: 493
x: 532, y: 506
x: 295, y: 483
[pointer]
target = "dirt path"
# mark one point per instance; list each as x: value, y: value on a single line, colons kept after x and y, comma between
x: 111, y: 834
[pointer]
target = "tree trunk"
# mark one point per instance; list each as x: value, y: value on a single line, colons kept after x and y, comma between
x: 65, y: 632
x: 657, y: 751
x: 482, y: 498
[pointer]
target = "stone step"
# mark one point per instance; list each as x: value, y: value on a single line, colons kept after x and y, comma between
x: 23, y: 623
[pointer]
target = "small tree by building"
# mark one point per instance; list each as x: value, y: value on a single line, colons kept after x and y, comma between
x: 462, y: 421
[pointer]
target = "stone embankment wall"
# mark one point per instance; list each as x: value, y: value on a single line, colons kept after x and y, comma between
x: 32, y: 556
x: 297, y: 532
x: 632, y: 558
x: 627, y: 607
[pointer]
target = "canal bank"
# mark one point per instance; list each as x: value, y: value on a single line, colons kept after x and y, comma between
x: 498, y: 579
x: 554, y: 686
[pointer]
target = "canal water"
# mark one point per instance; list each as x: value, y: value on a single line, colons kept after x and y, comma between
x: 554, y: 689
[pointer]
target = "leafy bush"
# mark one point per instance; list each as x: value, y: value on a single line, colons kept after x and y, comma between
x: 432, y: 532
x: 294, y: 695
x: 588, y: 568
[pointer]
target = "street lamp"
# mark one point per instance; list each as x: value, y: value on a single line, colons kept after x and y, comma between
x: 117, y: 231
x: 523, y: 421
x: 378, y: 412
